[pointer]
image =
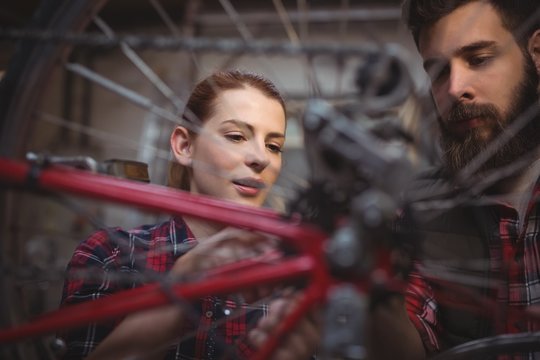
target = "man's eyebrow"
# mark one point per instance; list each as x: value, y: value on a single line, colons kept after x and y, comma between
x: 467, y: 49
x: 250, y: 128
x: 476, y: 46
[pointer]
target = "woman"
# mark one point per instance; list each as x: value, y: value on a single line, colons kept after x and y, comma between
x: 230, y: 148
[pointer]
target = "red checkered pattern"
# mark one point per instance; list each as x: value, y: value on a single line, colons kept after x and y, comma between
x: 514, y: 260
x: 113, y: 260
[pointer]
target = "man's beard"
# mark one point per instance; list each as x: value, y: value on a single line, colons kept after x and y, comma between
x: 459, y: 151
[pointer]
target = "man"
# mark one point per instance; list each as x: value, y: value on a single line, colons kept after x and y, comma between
x: 483, y: 59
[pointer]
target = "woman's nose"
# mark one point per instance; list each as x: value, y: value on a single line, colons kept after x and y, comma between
x: 257, y: 157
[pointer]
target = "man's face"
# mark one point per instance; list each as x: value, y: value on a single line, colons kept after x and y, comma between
x: 481, y: 81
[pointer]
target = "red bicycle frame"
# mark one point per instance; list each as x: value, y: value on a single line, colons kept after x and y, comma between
x: 309, y: 266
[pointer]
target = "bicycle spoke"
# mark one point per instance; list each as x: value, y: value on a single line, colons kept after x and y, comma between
x: 143, y: 67
x: 102, y: 135
x: 286, y: 21
x: 240, y: 26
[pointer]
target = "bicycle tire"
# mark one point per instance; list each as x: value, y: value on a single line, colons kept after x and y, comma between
x: 30, y: 67
x: 28, y: 71
x: 491, y: 346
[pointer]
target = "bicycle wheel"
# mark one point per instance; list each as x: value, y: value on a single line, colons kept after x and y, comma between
x: 69, y: 32
x: 72, y: 44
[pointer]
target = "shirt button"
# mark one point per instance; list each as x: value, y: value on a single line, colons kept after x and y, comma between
x: 209, y: 314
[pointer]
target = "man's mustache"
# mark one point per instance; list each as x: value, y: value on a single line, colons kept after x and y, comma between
x: 462, y: 112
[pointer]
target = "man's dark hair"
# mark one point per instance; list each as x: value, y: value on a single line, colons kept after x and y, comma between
x: 520, y: 17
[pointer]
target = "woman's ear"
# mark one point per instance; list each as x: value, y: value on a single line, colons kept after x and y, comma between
x: 534, y: 49
x: 182, y: 145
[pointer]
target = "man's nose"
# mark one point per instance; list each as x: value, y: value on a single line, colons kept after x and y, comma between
x: 460, y: 85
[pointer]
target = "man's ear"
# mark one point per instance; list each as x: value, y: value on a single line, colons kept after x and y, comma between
x: 534, y: 49
x: 182, y: 145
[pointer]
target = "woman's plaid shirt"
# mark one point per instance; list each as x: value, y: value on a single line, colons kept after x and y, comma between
x: 113, y: 260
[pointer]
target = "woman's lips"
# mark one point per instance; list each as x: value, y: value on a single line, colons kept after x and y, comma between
x: 249, y: 186
x: 246, y: 190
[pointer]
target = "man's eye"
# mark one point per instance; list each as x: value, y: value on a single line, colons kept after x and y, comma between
x: 438, y: 72
x: 479, y: 60
x: 274, y: 148
x: 234, y: 137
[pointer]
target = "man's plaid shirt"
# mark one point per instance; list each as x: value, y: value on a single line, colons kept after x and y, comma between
x: 113, y: 260
x: 514, y: 261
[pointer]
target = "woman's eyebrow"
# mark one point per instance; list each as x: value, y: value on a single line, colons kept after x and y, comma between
x: 275, y: 135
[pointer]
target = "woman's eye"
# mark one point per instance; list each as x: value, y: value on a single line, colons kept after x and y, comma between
x: 274, y: 148
x: 234, y: 137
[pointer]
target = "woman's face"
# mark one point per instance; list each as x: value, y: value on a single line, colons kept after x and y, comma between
x: 237, y: 155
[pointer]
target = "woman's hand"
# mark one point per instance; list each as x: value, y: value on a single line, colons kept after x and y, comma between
x: 131, y: 337
x: 301, y: 343
x: 227, y: 246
